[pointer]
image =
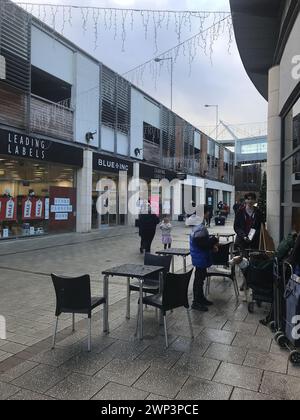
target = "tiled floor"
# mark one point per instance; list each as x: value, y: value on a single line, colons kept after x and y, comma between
x: 231, y: 357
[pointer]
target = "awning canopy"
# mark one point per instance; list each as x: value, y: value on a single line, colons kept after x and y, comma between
x: 257, y: 27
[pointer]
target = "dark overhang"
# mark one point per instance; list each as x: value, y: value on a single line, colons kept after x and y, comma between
x: 257, y: 28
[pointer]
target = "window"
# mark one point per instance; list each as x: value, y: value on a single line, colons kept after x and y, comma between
x: 151, y: 134
x: 255, y: 148
x: 291, y: 170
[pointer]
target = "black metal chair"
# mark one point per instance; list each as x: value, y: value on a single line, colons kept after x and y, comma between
x: 174, y: 295
x: 151, y: 285
x: 73, y: 296
x: 221, y: 259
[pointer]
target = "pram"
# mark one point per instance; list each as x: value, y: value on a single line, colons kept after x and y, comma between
x: 287, y: 313
x: 259, y: 277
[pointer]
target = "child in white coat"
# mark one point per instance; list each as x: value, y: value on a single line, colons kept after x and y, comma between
x: 166, y: 229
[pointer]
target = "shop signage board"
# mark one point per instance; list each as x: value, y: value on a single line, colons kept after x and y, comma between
x: 153, y: 172
x: 111, y: 164
x: 18, y: 145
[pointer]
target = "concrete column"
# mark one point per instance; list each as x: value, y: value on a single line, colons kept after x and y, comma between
x: 136, y: 175
x: 220, y: 196
x: 84, y: 194
x: 274, y: 156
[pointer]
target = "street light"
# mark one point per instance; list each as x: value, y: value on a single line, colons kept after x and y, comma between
x: 217, y: 117
x: 158, y: 60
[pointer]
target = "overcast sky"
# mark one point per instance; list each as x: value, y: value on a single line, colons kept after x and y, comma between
x: 224, y: 82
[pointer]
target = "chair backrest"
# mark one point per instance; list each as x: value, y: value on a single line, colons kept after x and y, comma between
x: 222, y: 256
x: 175, y: 291
x: 72, y: 294
x: 159, y: 261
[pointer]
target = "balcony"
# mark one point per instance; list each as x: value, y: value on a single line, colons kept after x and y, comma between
x: 51, y: 119
x: 189, y: 166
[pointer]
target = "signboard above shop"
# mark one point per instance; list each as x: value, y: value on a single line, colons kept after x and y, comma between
x: 18, y: 145
x: 153, y: 172
x: 104, y: 163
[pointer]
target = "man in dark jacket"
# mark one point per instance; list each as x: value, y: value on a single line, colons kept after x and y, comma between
x: 247, y: 225
x: 147, y: 229
x: 201, y: 247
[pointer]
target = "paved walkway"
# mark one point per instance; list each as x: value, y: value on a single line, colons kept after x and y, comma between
x: 232, y: 356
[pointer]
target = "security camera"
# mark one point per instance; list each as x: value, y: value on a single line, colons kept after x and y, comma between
x: 90, y: 136
x: 137, y: 152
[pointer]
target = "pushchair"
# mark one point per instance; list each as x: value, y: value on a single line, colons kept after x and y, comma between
x: 259, y: 278
x: 287, y: 313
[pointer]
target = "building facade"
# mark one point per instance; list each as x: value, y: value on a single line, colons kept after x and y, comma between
x: 69, y: 125
x: 268, y: 37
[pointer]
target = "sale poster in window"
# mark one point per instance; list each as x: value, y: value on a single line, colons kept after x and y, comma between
x: 33, y: 208
x: 8, y: 209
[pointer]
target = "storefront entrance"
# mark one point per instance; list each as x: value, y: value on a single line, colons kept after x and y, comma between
x: 37, y: 185
x: 106, y: 171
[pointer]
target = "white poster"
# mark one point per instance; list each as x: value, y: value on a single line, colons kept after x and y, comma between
x: 39, y: 209
x: 47, y: 205
x: 10, y: 209
x: 61, y: 216
x: 27, y: 209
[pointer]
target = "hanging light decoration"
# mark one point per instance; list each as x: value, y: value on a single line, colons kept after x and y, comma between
x: 121, y: 20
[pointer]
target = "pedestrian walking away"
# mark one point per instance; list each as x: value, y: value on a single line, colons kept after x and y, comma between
x: 147, y: 229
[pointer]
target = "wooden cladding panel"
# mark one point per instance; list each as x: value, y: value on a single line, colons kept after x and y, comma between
x: 13, y: 107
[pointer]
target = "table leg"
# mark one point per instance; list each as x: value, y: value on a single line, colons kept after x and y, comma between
x: 128, y: 299
x: 141, y: 314
x: 105, y: 312
x: 161, y: 289
x: 184, y: 264
x: 173, y: 264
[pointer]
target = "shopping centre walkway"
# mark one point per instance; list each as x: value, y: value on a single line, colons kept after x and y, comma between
x: 232, y: 356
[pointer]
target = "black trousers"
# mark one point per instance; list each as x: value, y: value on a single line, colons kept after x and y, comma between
x: 200, y: 277
x: 146, y: 241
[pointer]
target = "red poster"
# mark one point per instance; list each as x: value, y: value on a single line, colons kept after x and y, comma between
x: 33, y: 208
x: 8, y: 209
x: 27, y: 208
x: 38, y: 208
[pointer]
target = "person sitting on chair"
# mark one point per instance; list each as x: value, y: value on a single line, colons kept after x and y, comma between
x: 201, y: 246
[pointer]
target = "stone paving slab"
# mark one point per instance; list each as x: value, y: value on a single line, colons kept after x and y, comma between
x: 231, y: 357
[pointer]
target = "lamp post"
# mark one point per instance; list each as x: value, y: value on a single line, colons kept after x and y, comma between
x: 158, y: 60
x: 217, y: 117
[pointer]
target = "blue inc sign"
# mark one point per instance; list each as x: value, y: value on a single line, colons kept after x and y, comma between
x: 110, y: 164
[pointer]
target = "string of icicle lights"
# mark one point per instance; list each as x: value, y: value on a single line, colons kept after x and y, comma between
x: 119, y: 21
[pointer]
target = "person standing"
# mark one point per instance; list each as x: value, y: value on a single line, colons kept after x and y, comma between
x: 247, y: 225
x: 147, y: 229
x: 236, y: 207
x: 166, y: 229
x: 201, y: 247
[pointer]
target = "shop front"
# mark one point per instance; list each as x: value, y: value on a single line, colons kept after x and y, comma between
x: 37, y: 185
x: 291, y: 171
x: 110, y: 187
x: 160, y: 204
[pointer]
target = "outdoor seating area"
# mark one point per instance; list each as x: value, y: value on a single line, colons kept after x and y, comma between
x: 164, y: 351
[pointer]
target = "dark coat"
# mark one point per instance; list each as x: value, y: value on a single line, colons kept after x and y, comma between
x: 240, y: 228
x: 147, y: 224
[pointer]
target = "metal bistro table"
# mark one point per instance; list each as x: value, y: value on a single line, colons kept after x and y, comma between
x: 176, y: 252
x: 129, y: 271
x: 228, y: 237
